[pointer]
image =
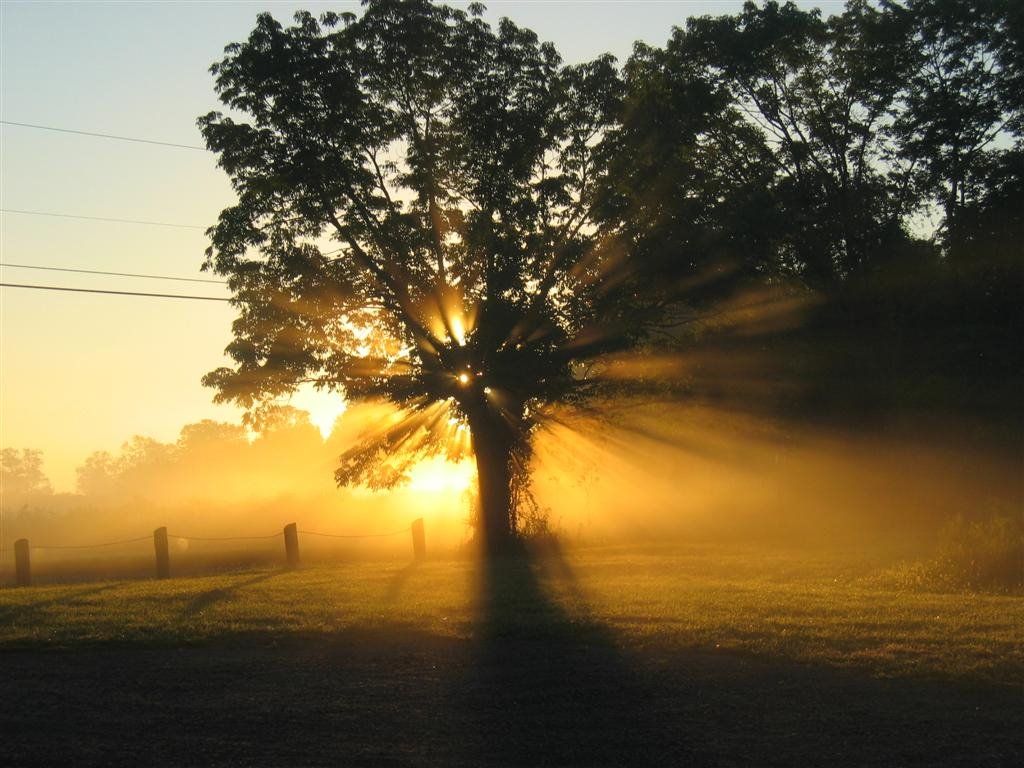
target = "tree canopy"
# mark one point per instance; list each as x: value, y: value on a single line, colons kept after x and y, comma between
x: 455, y: 167
x: 445, y: 215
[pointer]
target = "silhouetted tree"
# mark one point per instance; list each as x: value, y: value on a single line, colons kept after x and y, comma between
x: 961, y: 92
x: 454, y: 167
x: 792, y: 144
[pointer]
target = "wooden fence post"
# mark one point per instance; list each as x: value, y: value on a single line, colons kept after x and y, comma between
x: 163, y: 557
x: 291, y: 545
x: 419, y: 542
x: 21, y: 564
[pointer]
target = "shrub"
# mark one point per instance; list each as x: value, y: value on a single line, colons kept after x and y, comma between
x: 984, y: 554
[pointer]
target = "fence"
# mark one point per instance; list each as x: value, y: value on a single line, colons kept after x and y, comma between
x: 161, y: 538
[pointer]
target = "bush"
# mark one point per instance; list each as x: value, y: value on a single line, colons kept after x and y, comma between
x: 985, y: 554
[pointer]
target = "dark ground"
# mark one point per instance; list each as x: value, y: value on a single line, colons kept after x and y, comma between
x: 388, y: 698
x: 555, y: 693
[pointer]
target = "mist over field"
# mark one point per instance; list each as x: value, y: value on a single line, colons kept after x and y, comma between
x: 580, y: 383
x: 648, y: 472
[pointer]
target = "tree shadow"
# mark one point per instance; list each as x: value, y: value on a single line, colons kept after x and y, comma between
x: 549, y: 686
x: 398, y: 581
x: 207, y: 599
x: 23, y: 612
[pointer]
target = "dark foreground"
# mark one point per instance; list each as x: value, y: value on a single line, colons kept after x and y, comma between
x: 401, y: 698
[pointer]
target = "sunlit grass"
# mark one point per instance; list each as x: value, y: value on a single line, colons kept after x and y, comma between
x: 825, y: 608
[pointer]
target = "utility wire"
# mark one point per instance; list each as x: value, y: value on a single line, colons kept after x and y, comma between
x: 102, y: 135
x: 113, y: 293
x: 116, y: 274
x: 100, y: 218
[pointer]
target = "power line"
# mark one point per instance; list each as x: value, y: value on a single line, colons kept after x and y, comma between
x: 102, y: 135
x: 113, y: 293
x: 116, y: 274
x: 100, y: 218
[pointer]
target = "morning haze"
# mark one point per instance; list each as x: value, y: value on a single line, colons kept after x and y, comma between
x: 514, y: 384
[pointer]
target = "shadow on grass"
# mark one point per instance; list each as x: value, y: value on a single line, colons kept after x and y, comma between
x: 530, y: 681
x: 207, y: 599
x: 24, y: 612
x: 550, y: 687
x: 398, y: 581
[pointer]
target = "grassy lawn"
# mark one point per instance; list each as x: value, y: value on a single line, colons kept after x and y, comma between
x: 596, y: 656
x: 801, y: 606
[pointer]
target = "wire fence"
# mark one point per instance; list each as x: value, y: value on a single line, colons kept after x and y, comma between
x: 290, y: 534
x: 224, y: 538
x: 90, y: 546
x: 356, y: 535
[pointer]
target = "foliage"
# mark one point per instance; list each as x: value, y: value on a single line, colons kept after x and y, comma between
x: 454, y: 165
x: 980, y: 555
x: 961, y: 93
x: 813, y: 96
x: 21, y: 474
x: 24, y: 486
x: 209, y: 460
x: 983, y: 554
x: 445, y: 217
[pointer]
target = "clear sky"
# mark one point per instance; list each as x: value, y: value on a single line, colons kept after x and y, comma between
x: 84, y: 372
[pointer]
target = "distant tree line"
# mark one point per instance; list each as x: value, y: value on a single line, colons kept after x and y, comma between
x: 210, y: 463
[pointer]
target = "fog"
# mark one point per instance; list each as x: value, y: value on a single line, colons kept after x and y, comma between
x: 673, y: 471
x: 644, y: 472
x: 218, y: 481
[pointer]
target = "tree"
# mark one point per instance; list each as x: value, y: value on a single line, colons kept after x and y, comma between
x: 961, y: 95
x: 416, y: 222
x: 779, y: 143
x: 21, y: 474
x: 806, y: 107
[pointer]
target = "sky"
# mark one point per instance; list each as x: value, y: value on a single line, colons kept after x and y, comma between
x: 84, y: 372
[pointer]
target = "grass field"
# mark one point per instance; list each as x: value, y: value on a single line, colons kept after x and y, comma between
x: 704, y: 655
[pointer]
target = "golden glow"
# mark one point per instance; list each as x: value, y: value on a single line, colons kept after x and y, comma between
x: 323, y: 407
x: 451, y: 319
x: 463, y: 379
x: 437, y: 475
x: 458, y: 330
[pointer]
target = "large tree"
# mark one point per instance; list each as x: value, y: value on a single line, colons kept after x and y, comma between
x: 415, y: 223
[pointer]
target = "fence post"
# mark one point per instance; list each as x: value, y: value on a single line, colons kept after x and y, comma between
x: 163, y: 557
x: 419, y: 542
x: 291, y: 545
x: 21, y: 564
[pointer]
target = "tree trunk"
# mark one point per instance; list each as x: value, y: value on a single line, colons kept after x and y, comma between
x: 492, y: 446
